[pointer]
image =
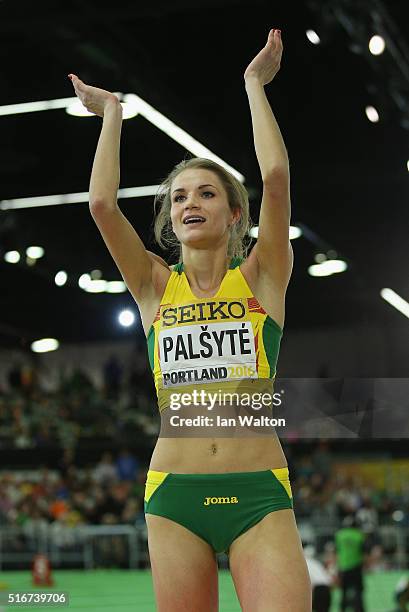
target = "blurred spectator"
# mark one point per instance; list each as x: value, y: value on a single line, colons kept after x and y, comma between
x: 402, y: 595
x: 14, y: 376
x: 66, y: 461
x: 79, y: 385
x: 126, y: 465
x: 58, y: 507
x: 321, y: 459
x: 349, y: 541
x: 22, y: 437
x: 320, y: 581
x: 376, y: 561
x: 131, y: 512
x: 113, y: 373
x: 105, y: 472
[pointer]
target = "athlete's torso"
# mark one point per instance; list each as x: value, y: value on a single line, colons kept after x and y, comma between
x: 212, y: 455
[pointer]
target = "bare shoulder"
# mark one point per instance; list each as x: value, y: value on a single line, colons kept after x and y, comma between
x: 270, y: 297
x: 160, y: 275
x: 149, y: 302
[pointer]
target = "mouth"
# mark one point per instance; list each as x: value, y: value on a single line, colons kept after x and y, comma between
x: 193, y: 219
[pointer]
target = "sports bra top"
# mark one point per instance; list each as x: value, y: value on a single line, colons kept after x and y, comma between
x: 210, y: 343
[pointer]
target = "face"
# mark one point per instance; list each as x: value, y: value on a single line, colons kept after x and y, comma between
x: 200, y: 212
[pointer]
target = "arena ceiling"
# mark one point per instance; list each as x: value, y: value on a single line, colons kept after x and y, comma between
x: 350, y: 184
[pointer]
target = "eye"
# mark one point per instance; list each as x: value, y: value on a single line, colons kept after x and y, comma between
x: 182, y: 196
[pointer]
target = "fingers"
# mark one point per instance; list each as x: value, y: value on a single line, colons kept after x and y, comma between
x: 274, y: 37
x: 77, y: 83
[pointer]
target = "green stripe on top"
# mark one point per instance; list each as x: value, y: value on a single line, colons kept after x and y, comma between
x: 235, y: 262
x: 271, y: 339
x: 151, y: 347
x: 178, y: 267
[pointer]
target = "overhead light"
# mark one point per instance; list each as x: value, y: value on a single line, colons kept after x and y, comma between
x: 83, y: 281
x: 295, y: 232
x: 12, y: 257
x: 126, y: 318
x: 35, y: 252
x: 95, y: 286
x: 327, y: 267
x: 115, y: 287
x: 395, y: 300
x: 372, y: 114
x: 313, y: 37
x: 129, y: 109
x: 45, y: 345
x: 74, y: 198
x: 60, y: 278
x: 77, y: 109
x: 376, y: 45
x: 32, y: 107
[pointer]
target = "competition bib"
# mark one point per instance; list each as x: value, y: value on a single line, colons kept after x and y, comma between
x: 206, y: 341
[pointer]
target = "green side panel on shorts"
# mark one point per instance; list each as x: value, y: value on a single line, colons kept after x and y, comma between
x: 218, y: 507
x: 151, y: 347
x: 271, y: 339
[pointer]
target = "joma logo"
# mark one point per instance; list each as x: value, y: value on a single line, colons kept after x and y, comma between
x: 220, y: 500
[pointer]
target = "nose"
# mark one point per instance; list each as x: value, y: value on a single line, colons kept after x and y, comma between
x: 191, y: 203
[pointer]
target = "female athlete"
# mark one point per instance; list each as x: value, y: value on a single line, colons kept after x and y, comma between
x: 212, y: 321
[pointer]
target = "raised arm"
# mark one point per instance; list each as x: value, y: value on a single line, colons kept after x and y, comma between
x: 273, y: 249
x: 141, y: 270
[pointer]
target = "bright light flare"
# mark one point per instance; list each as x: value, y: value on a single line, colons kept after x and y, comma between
x: 115, y: 287
x: 12, y: 257
x: 60, y: 278
x: 313, y: 37
x: 376, y: 45
x: 126, y: 318
x: 35, y: 252
x: 77, y: 109
x: 295, y: 232
x: 45, y: 345
x: 372, y: 114
x: 328, y: 267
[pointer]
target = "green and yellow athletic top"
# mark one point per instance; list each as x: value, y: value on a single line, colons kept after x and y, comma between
x: 210, y: 343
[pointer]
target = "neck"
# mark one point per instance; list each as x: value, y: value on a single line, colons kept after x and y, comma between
x: 205, y: 269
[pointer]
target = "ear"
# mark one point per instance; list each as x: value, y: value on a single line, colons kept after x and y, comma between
x: 236, y: 215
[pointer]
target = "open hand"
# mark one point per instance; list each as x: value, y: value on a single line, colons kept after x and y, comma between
x: 94, y: 99
x: 266, y: 64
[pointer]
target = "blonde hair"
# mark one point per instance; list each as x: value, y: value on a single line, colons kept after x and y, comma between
x: 237, y: 198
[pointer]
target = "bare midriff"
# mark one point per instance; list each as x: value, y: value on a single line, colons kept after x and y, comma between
x: 217, y: 455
